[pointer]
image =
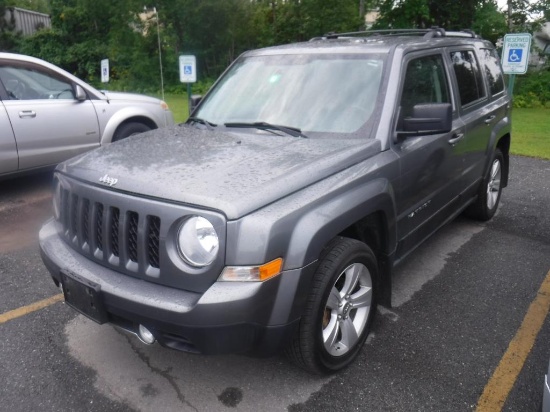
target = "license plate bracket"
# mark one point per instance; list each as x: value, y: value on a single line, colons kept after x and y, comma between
x: 84, y: 296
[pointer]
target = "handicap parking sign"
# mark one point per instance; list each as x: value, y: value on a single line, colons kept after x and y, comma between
x: 188, y: 69
x: 514, y: 55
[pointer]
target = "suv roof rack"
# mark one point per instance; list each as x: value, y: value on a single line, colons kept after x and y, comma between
x: 426, y: 33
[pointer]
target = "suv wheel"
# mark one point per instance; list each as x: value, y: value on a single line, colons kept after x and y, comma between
x: 488, y: 196
x: 339, y: 309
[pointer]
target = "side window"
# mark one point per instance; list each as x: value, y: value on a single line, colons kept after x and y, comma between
x: 425, y: 82
x: 493, y: 71
x: 30, y: 83
x: 468, y: 76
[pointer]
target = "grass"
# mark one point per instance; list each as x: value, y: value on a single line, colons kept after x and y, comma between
x: 530, y: 127
x: 531, y: 133
x: 179, y: 106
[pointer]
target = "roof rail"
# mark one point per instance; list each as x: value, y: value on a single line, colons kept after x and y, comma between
x: 426, y: 33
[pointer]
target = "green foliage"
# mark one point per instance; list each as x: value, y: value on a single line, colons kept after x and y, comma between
x: 404, y: 14
x: 489, y: 22
x: 533, y: 89
x: 217, y: 31
x: 9, y: 40
x: 449, y: 14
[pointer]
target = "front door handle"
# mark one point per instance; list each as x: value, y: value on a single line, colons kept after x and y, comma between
x: 27, y: 113
x: 489, y: 119
x: 457, y: 137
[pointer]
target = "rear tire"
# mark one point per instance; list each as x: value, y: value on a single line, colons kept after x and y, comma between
x: 489, y: 192
x: 130, y: 129
x: 339, y: 310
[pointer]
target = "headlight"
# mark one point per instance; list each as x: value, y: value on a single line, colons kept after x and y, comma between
x: 57, y: 200
x: 198, y: 241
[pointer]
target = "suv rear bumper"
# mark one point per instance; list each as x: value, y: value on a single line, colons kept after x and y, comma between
x: 230, y: 317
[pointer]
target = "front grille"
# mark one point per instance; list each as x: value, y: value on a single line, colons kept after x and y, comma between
x: 132, y: 234
x: 116, y: 236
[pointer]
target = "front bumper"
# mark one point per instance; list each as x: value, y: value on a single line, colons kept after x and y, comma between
x: 230, y: 317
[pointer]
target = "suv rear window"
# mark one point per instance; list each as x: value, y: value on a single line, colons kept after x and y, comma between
x: 468, y: 76
x: 493, y: 71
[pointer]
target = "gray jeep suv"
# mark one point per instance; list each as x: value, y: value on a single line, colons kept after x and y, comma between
x: 273, y: 218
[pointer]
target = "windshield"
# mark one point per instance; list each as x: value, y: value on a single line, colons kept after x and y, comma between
x: 326, y: 93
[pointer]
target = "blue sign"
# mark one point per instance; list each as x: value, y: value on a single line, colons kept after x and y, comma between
x: 514, y: 55
x: 188, y: 69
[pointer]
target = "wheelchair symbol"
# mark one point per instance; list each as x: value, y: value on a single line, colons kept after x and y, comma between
x: 188, y: 70
x: 515, y: 55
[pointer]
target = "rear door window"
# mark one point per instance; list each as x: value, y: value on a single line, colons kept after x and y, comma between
x: 495, y: 78
x: 468, y: 77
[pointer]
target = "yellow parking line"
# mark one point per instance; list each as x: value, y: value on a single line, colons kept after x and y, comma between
x: 499, y: 386
x: 25, y: 310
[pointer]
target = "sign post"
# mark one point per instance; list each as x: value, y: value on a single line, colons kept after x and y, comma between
x: 515, y: 55
x: 105, y: 71
x: 188, y: 74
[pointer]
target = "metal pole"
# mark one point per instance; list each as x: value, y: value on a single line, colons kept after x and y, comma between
x: 160, y: 54
x: 511, y: 81
x: 189, y: 97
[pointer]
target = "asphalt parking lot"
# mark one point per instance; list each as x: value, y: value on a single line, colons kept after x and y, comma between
x: 462, y: 329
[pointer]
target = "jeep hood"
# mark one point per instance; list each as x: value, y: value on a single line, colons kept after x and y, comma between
x: 235, y: 173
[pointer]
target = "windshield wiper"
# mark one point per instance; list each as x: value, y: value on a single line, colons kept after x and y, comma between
x: 292, y: 131
x: 209, y: 125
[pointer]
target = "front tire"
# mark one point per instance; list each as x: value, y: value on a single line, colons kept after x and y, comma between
x: 339, y: 310
x: 130, y: 129
x: 490, y: 190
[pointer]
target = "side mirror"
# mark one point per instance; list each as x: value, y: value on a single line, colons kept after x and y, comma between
x: 429, y: 118
x: 194, y: 102
x: 80, y: 94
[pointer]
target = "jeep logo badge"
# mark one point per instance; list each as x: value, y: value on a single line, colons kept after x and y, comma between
x: 111, y: 181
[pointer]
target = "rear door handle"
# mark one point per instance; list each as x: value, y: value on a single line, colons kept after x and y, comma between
x: 457, y: 137
x: 27, y: 113
x: 489, y: 119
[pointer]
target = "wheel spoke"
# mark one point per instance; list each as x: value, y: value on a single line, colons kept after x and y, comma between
x: 493, y: 188
x: 352, y: 274
x: 330, y: 333
x: 333, y: 299
x: 496, y: 169
x: 492, y: 199
x: 349, y: 334
x: 361, y: 298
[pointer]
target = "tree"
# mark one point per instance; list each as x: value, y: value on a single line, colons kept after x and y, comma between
x: 482, y: 15
x: 8, y: 38
x: 404, y: 14
x: 489, y: 22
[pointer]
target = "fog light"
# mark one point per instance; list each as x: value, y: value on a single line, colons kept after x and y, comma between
x: 145, y: 335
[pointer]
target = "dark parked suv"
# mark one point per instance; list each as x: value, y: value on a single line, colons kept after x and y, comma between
x: 273, y: 218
